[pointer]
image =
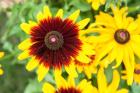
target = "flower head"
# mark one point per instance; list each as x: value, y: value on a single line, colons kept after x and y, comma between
x: 69, y: 86
x: 54, y: 42
x: 119, y: 37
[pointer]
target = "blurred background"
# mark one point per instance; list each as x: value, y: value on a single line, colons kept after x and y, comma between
x: 13, y: 12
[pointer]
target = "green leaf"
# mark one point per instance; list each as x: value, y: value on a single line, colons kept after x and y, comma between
x: 33, y: 87
x: 135, y: 88
x: 81, y: 4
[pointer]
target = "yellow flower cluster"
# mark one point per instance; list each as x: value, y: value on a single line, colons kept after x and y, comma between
x: 56, y: 43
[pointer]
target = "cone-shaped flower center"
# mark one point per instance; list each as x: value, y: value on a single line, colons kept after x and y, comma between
x: 122, y: 36
x: 54, y: 40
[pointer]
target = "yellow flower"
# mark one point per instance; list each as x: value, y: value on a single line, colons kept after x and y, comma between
x: 1, y: 55
x: 54, y: 42
x: 119, y: 37
x: 96, y: 3
x: 136, y: 74
x: 69, y: 86
x: 104, y: 87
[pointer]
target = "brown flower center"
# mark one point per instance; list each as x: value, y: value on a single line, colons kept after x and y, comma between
x: 137, y: 71
x: 54, y: 40
x: 122, y: 36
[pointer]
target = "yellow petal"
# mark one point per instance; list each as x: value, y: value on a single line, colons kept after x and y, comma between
x: 26, y: 28
x: 32, y: 64
x: 32, y: 23
x: 96, y: 4
x: 48, y: 88
x: 83, y: 58
x: 42, y: 71
x: 88, y: 89
x: 25, y: 54
x: 47, y: 12
x: 82, y: 84
x: 74, y: 15
x: 60, y: 82
x: 119, y: 57
x: 129, y: 67
x: 101, y: 79
x: 115, y: 82
x: 83, y: 23
x: 1, y: 54
x: 132, y: 26
x: 71, y: 70
x: 71, y: 81
x: 25, y: 44
x: 59, y: 13
x: 57, y: 71
x: 136, y: 49
x: 122, y: 91
x: 105, y: 50
x: 102, y: 2
x: 88, y: 49
x: 1, y: 71
x: 113, y: 54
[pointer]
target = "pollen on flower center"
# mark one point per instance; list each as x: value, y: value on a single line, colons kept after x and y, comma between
x: 122, y: 36
x: 53, y: 40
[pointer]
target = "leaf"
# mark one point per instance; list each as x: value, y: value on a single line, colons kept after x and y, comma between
x: 135, y: 88
x: 33, y: 87
x: 81, y: 4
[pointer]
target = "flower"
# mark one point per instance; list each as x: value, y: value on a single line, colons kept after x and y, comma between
x: 54, y: 42
x: 136, y: 74
x: 96, y: 3
x: 103, y: 87
x: 69, y: 86
x: 1, y: 55
x: 120, y: 39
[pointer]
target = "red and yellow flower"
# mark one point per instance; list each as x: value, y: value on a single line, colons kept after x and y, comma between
x: 54, y: 42
x: 69, y: 86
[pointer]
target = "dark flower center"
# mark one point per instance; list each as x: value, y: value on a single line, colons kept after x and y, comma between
x: 122, y: 36
x: 68, y: 90
x: 137, y: 71
x: 54, y: 40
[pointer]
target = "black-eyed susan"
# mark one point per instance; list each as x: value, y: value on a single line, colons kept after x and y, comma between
x: 119, y: 37
x: 54, y: 42
x: 68, y: 86
x: 1, y: 55
x: 96, y: 3
x: 136, y: 74
x: 104, y: 87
